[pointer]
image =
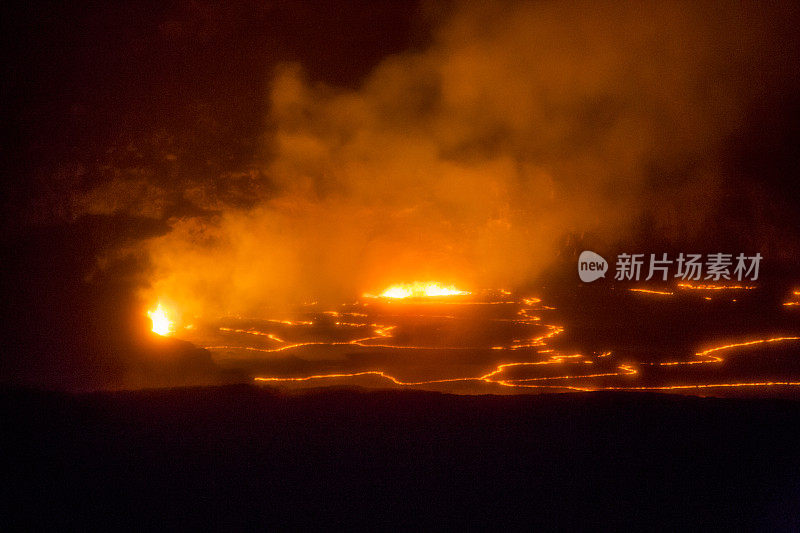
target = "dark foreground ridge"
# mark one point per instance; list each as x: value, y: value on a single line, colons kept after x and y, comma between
x: 241, y: 455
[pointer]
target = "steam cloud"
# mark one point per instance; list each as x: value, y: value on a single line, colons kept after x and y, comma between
x: 470, y: 161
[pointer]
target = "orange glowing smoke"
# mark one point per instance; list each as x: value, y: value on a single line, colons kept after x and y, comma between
x: 161, y: 322
x: 419, y: 289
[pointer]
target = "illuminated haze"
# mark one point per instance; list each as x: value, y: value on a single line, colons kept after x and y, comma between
x: 470, y: 161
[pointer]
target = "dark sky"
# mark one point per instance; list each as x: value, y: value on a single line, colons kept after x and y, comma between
x: 84, y: 78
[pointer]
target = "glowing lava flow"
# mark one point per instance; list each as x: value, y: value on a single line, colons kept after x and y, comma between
x: 535, y: 344
x: 161, y: 322
x: 703, y: 287
x: 520, y: 356
x: 419, y: 289
x: 794, y: 301
x: 717, y: 359
x: 648, y: 291
x: 692, y: 287
x: 556, y: 359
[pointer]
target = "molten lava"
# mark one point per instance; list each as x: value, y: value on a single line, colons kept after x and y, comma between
x: 419, y: 289
x: 527, y: 357
x: 711, y: 287
x: 161, y: 322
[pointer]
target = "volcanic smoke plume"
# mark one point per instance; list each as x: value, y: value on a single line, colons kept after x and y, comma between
x: 473, y: 159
